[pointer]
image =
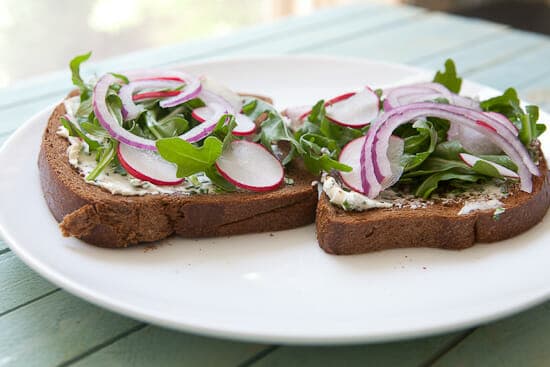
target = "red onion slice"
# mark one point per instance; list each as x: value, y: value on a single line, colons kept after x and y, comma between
x: 216, y: 108
x: 130, y: 110
x: 373, y: 155
x: 351, y: 153
x: 423, y: 92
x: 109, y: 122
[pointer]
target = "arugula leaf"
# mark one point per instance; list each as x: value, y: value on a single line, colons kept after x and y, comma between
x: 434, y: 165
x: 415, y: 151
x: 124, y: 78
x: 431, y: 182
x: 218, y: 180
x: 509, y: 105
x: 107, y: 154
x: 75, y: 131
x: 317, y: 164
x: 272, y: 129
x: 503, y: 160
x: 74, y: 65
x: 189, y: 158
x: 449, y: 77
x: 486, y: 169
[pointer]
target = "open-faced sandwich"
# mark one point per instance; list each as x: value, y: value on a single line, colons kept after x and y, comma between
x: 421, y: 166
x: 139, y: 156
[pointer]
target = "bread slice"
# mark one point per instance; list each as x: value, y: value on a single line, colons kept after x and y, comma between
x: 96, y: 216
x: 344, y: 232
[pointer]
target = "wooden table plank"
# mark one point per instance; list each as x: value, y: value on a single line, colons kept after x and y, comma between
x: 434, y: 32
x: 521, y: 340
x: 518, y: 71
x: 538, y: 92
x: 19, y: 284
x: 366, y: 22
x: 55, y: 329
x: 153, y: 346
x: 485, y: 53
x: 407, y: 353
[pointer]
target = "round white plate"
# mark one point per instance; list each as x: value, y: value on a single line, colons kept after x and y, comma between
x: 279, y: 287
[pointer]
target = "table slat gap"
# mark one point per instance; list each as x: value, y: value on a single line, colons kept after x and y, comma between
x: 105, y: 344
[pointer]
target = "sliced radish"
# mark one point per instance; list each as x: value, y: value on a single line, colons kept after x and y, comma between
x: 472, y: 140
x: 245, y: 125
x: 296, y: 115
x: 471, y: 160
x: 351, y: 153
x: 250, y: 166
x: 147, y: 166
x: 154, y: 95
x: 353, y: 109
x: 202, y: 114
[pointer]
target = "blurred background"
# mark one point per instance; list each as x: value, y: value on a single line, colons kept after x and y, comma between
x: 41, y: 36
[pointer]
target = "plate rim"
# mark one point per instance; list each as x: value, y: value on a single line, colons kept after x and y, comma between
x: 128, y: 310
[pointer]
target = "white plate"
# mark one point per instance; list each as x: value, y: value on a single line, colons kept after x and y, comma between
x: 281, y: 287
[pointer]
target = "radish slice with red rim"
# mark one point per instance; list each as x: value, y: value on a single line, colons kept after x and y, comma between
x: 250, y: 166
x: 147, y: 166
x: 351, y: 153
x: 245, y: 125
x: 471, y: 160
x: 353, y: 109
x: 472, y: 140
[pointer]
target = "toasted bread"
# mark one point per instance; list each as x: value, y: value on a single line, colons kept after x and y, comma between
x: 438, y: 225
x: 96, y: 216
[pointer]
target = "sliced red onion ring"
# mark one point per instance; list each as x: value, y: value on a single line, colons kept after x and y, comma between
x: 191, y: 90
x: 471, y: 160
x: 130, y: 110
x: 351, y: 153
x: 109, y: 122
x: 245, y: 125
x: 353, y: 109
x: 472, y: 140
x: 475, y: 142
x: 422, y: 92
x: 504, y: 121
x: 374, y: 159
x: 216, y: 108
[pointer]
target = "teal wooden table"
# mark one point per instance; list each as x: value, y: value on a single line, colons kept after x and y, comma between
x: 42, y: 325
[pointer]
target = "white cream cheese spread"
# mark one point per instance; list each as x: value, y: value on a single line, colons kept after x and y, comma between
x: 478, y: 205
x: 349, y: 200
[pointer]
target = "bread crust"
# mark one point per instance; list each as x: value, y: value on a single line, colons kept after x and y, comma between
x: 96, y: 216
x: 346, y: 233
